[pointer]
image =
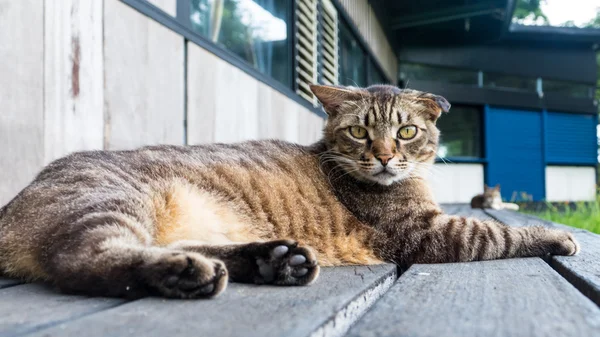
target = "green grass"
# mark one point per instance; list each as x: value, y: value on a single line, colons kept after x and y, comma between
x: 584, y: 215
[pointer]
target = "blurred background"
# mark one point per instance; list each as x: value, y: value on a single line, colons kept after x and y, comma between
x: 118, y: 74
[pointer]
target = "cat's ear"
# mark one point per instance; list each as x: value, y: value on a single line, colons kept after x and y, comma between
x: 334, y: 97
x: 497, y: 187
x: 435, y: 105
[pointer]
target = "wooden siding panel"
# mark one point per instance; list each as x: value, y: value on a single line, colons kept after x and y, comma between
x: 201, y: 95
x: 21, y: 94
x: 73, y: 77
x: 278, y: 115
x: 144, y: 79
x: 236, y: 117
x: 310, y: 127
x: 365, y: 20
x: 227, y: 105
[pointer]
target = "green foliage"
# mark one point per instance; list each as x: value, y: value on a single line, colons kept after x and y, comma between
x: 584, y: 215
x: 529, y: 9
x: 595, y: 22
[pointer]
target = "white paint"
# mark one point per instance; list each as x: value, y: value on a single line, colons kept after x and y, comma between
x: 456, y: 183
x: 21, y: 94
x: 227, y: 105
x: 167, y: 6
x: 144, y: 80
x: 570, y: 183
x: 73, y: 77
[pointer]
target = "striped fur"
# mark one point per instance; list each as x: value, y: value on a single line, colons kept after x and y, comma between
x: 182, y: 221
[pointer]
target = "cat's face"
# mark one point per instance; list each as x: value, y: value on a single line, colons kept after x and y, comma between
x: 381, y: 134
x: 492, y: 195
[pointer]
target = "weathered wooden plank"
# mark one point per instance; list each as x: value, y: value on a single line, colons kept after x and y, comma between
x: 201, y: 95
x: 326, y: 308
x: 236, y: 119
x: 214, y: 115
x: 8, y: 282
x: 310, y: 126
x: 257, y: 111
x: 583, y: 270
x: 516, y: 297
x: 30, y: 307
x: 465, y: 210
x: 21, y: 94
x: 144, y: 80
x: 73, y: 77
x: 278, y: 115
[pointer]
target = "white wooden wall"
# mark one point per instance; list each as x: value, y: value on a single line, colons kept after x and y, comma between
x: 82, y: 75
x: 456, y: 183
x: 21, y: 94
x: 227, y: 105
x: 73, y: 83
x: 143, y: 80
x: 570, y: 183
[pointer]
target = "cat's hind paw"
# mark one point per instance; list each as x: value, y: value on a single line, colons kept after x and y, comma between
x: 186, y: 275
x: 284, y: 262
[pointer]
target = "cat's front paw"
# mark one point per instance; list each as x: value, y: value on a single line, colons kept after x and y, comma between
x: 185, y: 275
x: 563, y: 243
x: 284, y: 262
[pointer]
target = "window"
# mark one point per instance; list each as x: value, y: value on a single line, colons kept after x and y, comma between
x: 567, y: 88
x: 255, y: 30
x: 423, y: 72
x: 510, y: 82
x: 461, y: 133
x: 376, y: 76
x: 352, y: 58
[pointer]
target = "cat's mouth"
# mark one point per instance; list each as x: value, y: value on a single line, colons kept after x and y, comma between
x: 384, y: 173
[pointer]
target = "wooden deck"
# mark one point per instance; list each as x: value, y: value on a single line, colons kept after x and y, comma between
x: 517, y: 297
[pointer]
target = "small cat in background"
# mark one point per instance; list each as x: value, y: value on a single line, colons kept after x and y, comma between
x: 491, y: 198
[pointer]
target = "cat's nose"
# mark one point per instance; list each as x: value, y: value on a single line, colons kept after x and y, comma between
x: 384, y: 158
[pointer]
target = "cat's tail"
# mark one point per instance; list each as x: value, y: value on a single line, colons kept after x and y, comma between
x: 510, y: 206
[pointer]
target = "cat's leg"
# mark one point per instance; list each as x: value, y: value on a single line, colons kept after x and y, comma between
x: 441, y: 238
x: 280, y: 262
x: 511, y: 206
x: 109, y: 254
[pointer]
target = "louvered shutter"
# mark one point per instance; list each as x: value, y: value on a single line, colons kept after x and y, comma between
x: 329, y: 43
x: 306, y: 46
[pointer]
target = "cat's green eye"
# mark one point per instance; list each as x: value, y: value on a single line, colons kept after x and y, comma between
x: 358, y: 132
x: 407, y: 132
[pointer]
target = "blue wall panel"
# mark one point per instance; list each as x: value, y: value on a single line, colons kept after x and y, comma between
x: 514, y: 150
x: 571, y: 139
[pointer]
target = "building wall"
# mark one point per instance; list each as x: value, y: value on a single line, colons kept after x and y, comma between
x: 364, y: 18
x: 456, y: 183
x: 570, y: 183
x: 84, y: 75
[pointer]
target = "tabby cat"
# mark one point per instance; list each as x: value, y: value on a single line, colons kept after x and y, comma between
x: 491, y: 198
x: 181, y: 221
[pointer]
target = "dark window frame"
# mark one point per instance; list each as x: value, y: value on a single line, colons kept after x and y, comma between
x: 181, y: 25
